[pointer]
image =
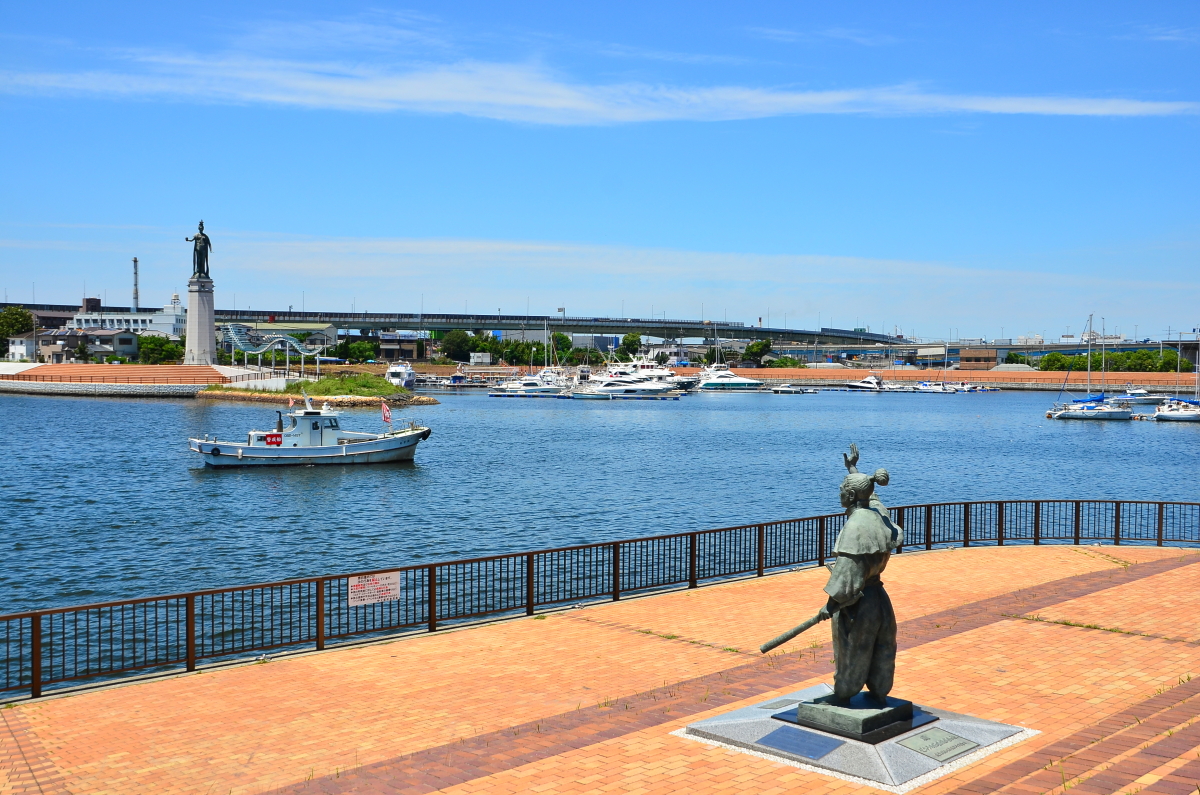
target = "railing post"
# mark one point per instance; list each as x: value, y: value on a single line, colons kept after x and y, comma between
x: 762, y: 549
x: 966, y: 524
x: 616, y: 572
x: 821, y: 541
x: 35, y: 652
x: 929, y: 527
x: 693, y: 541
x: 999, y: 523
x: 431, y: 576
x: 189, y: 613
x: 1161, y: 510
x: 900, y: 523
x: 1078, y: 519
x: 529, y: 584
x: 1037, y: 522
x: 1117, y: 523
x: 320, y: 633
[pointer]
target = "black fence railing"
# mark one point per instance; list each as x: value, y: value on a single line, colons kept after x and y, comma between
x: 45, y: 648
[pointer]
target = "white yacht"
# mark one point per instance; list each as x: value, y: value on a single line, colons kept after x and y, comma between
x: 1178, y: 410
x: 719, y: 378
x: 874, y: 383
x: 629, y: 385
x: 401, y: 374
x: 935, y: 388
x: 1089, y: 408
x: 315, y: 436
x: 645, y: 366
x: 793, y: 389
x: 528, y: 385
x: 1138, y: 396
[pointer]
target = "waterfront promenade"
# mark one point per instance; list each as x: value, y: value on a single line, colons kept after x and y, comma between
x: 1095, y: 647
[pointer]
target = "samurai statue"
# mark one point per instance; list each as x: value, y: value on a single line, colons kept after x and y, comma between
x: 864, y: 624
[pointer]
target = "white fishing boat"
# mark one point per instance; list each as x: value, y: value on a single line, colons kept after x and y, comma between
x: 935, y: 388
x: 1136, y: 396
x: 315, y: 436
x: 401, y: 374
x: 1178, y: 410
x: 719, y: 378
x: 793, y: 389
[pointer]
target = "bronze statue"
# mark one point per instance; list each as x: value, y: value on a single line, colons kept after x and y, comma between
x: 200, y: 253
x: 864, y: 624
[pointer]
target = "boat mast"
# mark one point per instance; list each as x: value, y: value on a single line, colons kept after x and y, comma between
x: 1089, y: 357
x: 1103, y: 364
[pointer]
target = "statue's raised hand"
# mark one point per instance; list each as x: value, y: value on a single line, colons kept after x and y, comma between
x: 852, y: 459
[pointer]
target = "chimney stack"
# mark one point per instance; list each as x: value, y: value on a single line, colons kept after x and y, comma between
x: 135, y: 295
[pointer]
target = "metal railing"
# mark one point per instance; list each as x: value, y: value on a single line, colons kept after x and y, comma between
x: 44, y: 648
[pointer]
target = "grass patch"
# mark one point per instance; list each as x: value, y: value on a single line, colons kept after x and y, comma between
x: 361, y: 384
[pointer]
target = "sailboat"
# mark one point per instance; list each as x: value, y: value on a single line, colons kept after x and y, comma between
x: 1092, y: 407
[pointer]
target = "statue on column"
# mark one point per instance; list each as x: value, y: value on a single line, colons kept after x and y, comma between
x: 202, y: 245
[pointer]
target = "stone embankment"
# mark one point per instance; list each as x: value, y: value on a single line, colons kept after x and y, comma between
x: 401, y: 400
x: 90, y: 389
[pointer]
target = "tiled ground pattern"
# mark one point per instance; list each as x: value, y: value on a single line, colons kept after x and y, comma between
x: 255, y: 728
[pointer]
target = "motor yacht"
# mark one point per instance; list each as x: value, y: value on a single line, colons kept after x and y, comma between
x: 401, y: 374
x: 1092, y: 407
x: 793, y: 389
x: 874, y: 383
x: 1178, y: 410
x: 1136, y: 396
x: 315, y: 436
x: 629, y: 385
x: 645, y: 366
x: 935, y: 388
x: 719, y: 378
x: 528, y: 385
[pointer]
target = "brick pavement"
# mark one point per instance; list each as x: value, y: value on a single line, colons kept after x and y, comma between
x: 585, y: 700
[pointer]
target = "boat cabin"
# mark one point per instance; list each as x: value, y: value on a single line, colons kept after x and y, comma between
x: 309, y: 428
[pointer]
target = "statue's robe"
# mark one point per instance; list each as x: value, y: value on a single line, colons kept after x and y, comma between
x: 864, y: 629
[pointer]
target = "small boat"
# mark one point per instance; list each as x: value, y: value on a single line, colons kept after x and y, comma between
x: 401, y: 374
x: 1136, y: 396
x: 589, y: 393
x: 719, y: 378
x: 314, y: 437
x: 529, y: 385
x: 1092, y: 407
x: 935, y: 388
x: 874, y: 383
x: 793, y: 389
x: 1178, y: 410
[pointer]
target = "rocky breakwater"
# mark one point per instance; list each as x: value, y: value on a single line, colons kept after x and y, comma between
x: 401, y: 399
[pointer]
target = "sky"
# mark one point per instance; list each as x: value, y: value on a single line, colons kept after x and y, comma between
x: 940, y: 169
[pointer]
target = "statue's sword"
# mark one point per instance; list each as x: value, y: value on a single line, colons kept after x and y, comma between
x: 805, y: 627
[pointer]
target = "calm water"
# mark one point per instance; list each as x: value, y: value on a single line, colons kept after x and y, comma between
x: 101, y: 499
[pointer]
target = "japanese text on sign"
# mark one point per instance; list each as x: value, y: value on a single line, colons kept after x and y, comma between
x: 371, y: 588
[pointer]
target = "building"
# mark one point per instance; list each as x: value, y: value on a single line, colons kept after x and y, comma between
x: 397, y: 345
x: 978, y: 358
x: 170, y: 320
x: 58, y: 346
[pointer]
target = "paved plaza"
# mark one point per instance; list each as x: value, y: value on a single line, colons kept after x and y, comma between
x: 1095, y: 648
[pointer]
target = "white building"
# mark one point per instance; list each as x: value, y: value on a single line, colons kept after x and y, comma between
x: 170, y: 320
x: 20, y: 348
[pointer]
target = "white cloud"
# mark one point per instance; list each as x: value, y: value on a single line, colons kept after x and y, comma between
x: 525, y: 93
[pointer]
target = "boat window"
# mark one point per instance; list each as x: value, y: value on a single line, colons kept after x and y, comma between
x: 330, y: 423
x: 316, y: 426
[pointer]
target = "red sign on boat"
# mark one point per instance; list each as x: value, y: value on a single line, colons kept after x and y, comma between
x: 275, y: 439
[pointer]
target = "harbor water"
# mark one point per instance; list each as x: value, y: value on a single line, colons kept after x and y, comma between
x: 101, y: 499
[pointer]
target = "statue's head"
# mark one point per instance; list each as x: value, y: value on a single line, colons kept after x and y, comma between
x: 881, y: 477
x: 201, y: 226
x: 856, y: 488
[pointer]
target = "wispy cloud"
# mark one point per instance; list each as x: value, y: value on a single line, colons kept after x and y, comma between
x: 523, y: 92
x: 1163, y: 33
x: 865, y: 38
x: 624, y: 51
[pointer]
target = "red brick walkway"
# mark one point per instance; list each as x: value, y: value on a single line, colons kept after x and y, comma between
x: 1054, y: 638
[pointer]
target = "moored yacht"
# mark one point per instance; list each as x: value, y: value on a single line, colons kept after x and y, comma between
x: 1136, y: 396
x: 401, y: 374
x: 1178, y: 410
x: 719, y: 378
x: 1091, y: 407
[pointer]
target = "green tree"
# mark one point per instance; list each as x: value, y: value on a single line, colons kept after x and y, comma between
x: 82, y: 354
x: 562, y: 343
x: 1016, y: 358
x: 788, y: 361
x: 363, y: 350
x: 756, y: 350
x: 14, y: 320
x: 456, y: 345
x: 662, y: 358
x: 156, y: 350
x: 631, y: 343
x: 1054, y: 361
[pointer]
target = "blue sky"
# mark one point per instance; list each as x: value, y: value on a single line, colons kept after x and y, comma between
x: 979, y: 169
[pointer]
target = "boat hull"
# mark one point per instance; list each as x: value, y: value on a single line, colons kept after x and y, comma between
x: 400, y: 447
x: 1093, y: 415
x: 1177, y: 416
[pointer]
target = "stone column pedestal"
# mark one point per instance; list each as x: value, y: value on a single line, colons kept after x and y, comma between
x: 201, y: 343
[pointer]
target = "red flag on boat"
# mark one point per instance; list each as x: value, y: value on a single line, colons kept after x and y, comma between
x: 387, y: 414
x: 291, y: 402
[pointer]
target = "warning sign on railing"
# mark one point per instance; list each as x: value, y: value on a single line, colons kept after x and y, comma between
x: 371, y: 588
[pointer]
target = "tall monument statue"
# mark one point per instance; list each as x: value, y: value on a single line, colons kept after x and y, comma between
x: 201, y: 343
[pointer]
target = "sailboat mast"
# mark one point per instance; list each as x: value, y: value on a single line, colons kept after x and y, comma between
x: 1089, y: 357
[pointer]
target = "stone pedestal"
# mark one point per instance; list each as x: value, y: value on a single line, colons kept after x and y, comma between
x: 861, y: 718
x: 201, y: 343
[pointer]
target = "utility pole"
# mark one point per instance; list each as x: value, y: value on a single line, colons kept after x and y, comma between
x: 135, y: 285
